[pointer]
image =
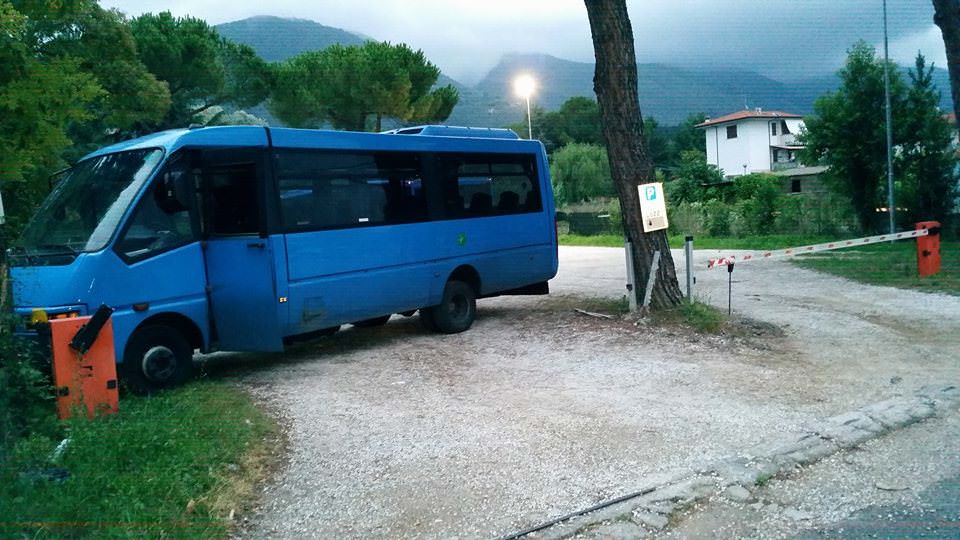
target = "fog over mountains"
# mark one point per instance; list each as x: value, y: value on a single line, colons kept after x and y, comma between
x: 667, y: 93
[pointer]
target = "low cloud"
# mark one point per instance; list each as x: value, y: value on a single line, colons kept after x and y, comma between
x: 782, y: 38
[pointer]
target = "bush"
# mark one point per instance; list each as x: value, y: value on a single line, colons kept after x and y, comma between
x: 581, y: 172
x: 616, y: 217
x: 716, y: 218
x: 759, y: 197
x: 26, y: 393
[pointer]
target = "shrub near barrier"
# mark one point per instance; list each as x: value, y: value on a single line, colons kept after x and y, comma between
x: 26, y: 392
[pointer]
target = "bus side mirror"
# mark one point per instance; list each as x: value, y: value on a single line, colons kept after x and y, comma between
x: 173, y: 192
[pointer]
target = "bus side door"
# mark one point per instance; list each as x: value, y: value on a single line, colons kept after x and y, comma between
x: 240, y: 259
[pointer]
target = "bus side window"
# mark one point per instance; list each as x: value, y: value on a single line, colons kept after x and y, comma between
x: 232, y: 191
x: 336, y: 190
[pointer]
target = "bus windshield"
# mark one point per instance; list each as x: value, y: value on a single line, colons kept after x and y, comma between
x: 84, y: 209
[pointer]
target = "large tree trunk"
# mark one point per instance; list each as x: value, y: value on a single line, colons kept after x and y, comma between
x: 947, y: 17
x: 615, y: 83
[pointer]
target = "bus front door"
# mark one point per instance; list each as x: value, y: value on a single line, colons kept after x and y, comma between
x: 241, y: 276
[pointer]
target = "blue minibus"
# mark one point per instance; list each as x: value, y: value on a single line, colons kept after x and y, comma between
x: 246, y: 238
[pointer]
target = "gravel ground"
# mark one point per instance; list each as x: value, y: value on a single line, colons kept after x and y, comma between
x: 538, y: 411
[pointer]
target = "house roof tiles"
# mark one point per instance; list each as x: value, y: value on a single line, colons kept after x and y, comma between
x: 742, y: 115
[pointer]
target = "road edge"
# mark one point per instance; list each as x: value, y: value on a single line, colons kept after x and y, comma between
x: 652, y: 509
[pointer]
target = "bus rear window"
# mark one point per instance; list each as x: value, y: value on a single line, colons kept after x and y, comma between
x: 477, y: 185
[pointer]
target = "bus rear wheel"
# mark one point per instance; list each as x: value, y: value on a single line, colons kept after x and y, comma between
x: 370, y: 323
x: 457, y: 309
x: 156, y: 357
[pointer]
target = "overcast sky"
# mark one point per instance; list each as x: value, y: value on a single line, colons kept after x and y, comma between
x: 782, y: 38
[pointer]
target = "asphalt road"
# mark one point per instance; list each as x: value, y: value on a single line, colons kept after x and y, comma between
x: 934, y: 514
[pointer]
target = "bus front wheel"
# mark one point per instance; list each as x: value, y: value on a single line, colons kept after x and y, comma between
x: 156, y: 357
x: 456, y: 310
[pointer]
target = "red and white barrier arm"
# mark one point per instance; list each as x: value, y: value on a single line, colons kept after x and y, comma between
x: 790, y: 252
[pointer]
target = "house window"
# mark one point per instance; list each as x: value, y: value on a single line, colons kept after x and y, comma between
x: 785, y: 130
x: 773, y: 129
x: 732, y: 132
x: 795, y: 186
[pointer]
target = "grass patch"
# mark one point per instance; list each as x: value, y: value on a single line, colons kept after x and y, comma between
x: 891, y: 264
x: 763, y: 479
x: 775, y: 241
x: 600, y: 240
x: 607, y: 306
x: 135, y: 474
x: 703, y: 318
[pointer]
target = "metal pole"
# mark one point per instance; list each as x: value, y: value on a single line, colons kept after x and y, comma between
x: 730, y: 289
x: 688, y: 253
x: 889, y: 119
x: 529, y: 120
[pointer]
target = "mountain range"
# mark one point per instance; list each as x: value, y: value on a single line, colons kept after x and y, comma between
x: 668, y: 93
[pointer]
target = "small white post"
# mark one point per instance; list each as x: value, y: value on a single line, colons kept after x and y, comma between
x: 654, y: 266
x: 631, y: 285
x: 688, y: 253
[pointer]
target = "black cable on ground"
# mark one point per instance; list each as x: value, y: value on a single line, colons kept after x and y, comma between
x: 594, y: 508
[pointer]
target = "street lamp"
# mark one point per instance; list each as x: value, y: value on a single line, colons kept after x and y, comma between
x: 889, y: 120
x: 524, y: 86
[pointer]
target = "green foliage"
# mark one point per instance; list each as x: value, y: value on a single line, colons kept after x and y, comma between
x: 41, y: 95
x: 689, y: 137
x: 848, y: 134
x: 715, y: 215
x: 691, y: 177
x: 132, y: 96
x: 759, y: 197
x: 577, y: 121
x: 26, y: 396
x: 350, y: 87
x: 581, y: 172
x: 133, y: 474
x: 201, y: 68
x: 927, y: 162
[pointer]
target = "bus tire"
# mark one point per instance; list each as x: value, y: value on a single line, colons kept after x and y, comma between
x: 157, y: 357
x: 371, y: 323
x: 426, y: 320
x: 327, y: 332
x: 457, y: 308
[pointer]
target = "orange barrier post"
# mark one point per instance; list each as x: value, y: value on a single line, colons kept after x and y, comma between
x: 88, y: 379
x: 928, y: 249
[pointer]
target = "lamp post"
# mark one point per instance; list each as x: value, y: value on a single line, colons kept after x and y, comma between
x: 524, y: 86
x: 889, y: 120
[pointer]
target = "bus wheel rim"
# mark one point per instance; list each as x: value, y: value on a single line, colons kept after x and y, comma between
x: 159, y: 363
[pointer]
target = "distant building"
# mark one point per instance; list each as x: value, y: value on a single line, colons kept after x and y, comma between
x: 753, y: 141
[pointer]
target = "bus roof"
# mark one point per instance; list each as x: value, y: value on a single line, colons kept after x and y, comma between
x: 422, y: 138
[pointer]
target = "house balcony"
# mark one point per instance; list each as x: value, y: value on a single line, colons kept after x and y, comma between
x: 785, y: 165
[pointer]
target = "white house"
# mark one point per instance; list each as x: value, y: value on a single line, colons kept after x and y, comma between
x: 752, y: 141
